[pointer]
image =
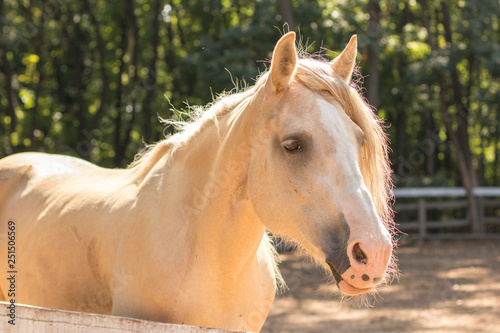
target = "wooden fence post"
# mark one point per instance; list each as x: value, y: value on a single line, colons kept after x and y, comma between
x: 422, y: 217
x: 481, y: 215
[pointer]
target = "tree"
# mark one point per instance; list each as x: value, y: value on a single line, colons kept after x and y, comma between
x: 90, y: 77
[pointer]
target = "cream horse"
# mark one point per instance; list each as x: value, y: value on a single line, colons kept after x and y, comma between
x: 180, y: 235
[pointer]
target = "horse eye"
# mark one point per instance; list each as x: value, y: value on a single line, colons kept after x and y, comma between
x: 291, y: 145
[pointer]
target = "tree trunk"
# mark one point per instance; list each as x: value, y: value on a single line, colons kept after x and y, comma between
x: 134, y: 82
x: 400, y: 102
x: 39, y: 44
x: 373, y: 79
x: 463, y: 165
x: 462, y: 111
x: 119, y: 96
x: 496, y: 162
x: 431, y: 151
x: 61, y: 91
x: 151, y: 80
x: 287, y: 14
x: 102, y: 57
x: 462, y: 148
x: 132, y: 32
x: 10, y: 92
x: 83, y: 145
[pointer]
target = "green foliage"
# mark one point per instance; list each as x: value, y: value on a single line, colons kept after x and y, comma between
x: 90, y: 77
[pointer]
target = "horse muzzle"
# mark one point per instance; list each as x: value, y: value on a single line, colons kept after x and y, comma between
x: 365, y: 268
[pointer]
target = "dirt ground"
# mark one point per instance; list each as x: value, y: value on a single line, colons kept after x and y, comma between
x: 445, y: 286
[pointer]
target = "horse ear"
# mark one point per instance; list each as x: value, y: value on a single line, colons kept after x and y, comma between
x: 283, y: 62
x: 343, y: 65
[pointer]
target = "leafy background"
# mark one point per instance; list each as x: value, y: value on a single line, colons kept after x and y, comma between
x: 90, y: 77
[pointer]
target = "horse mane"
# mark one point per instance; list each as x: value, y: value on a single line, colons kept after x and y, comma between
x: 196, y: 118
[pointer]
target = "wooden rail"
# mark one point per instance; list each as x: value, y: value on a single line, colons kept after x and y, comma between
x: 22, y: 318
x: 433, y: 198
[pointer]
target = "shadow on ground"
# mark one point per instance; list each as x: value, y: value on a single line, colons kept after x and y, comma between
x: 445, y: 286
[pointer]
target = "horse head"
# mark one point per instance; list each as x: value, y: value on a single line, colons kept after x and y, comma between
x: 318, y: 171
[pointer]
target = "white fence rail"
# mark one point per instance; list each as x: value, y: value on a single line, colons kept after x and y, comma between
x: 30, y: 319
x: 422, y: 200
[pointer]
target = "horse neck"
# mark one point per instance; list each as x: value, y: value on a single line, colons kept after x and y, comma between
x: 208, y: 175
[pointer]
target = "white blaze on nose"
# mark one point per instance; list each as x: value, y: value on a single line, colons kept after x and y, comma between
x: 352, y: 196
x: 369, y: 245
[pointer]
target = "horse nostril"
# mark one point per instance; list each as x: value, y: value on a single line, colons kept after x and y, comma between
x: 359, y: 255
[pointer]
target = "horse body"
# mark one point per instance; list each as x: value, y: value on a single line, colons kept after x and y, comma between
x: 180, y: 236
x: 84, y: 234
